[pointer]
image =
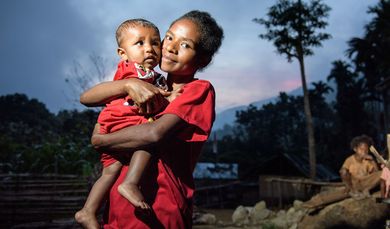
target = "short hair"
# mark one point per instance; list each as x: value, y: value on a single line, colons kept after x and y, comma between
x: 356, y: 141
x: 131, y: 23
x: 211, y: 34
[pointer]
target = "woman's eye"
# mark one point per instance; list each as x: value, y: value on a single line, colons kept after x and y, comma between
x: 139, y: 43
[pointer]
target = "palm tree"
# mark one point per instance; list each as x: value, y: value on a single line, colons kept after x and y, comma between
x: 350, y: 98
x: 321, y: 88
x: 370, y: 54
x: 292, y: 26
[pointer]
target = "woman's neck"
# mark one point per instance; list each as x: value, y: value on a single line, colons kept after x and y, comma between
x: 177, y: 81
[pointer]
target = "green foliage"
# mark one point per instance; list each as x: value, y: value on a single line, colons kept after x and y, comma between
x: 34, y: 140
x: 275, y: 128
x: 370, y: 54
x: 279, y: 127
x: 293, y: 26
x: 352, y: 116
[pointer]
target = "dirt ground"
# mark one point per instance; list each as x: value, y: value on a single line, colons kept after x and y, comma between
x: 224, y: 215
x: 221, y: 214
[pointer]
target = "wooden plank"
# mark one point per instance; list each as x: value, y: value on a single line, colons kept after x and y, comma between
x: 82, y: 191
x: 47, y: 175
x: 27, y: 198
x: 304, y: 181
x: 42, y: 198
x: 39, y: 210
x: 41, y: 181
x: 43, y: 186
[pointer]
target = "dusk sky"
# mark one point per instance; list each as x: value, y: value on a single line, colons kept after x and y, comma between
x: 40, y: 40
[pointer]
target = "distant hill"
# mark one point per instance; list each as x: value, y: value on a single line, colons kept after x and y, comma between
x: 228, y: 116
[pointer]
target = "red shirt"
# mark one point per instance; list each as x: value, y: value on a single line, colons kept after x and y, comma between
x: 168, y: 185
x: 116, y: 115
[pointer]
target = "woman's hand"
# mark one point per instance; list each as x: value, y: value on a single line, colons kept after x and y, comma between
x: 96, y: 139
x: 146, y: 96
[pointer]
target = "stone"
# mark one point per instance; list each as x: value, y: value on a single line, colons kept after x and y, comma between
x: 240, y: 215
x: 259, y: 213
x: 206, y: 218
x: 297, y: 204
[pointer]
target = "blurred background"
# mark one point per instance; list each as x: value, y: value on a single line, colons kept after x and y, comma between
x: 51, y: 51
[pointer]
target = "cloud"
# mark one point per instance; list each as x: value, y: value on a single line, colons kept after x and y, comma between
x: 41, y: 39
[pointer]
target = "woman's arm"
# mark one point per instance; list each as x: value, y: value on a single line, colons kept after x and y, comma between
x: 142, y: 93
x: 139, y: 136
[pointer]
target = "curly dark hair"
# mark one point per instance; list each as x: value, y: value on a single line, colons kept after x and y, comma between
x: 356, y: 141
x: 211, y: 34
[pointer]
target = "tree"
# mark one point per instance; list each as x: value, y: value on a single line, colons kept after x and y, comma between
x: 36, y: 141
x: 352, y: 117
x: 292, y: 26
x: 370, y: 54
x: 83, y: 76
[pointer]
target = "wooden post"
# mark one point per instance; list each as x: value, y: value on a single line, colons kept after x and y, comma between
x: 379, y: 157
x: 388, y: 146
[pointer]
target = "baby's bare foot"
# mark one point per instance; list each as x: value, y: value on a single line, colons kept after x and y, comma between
x: 86, y: 219
x: 132, y: 194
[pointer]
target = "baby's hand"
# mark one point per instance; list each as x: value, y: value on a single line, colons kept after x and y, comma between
x: 174, y: 94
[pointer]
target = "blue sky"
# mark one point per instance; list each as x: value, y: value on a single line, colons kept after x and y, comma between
x: 41, y: 40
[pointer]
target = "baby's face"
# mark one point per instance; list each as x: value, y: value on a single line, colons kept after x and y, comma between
x: 141, y: 45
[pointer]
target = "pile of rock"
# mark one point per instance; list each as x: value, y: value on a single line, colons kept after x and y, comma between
x: 348, y: 213
x: 261, y: 215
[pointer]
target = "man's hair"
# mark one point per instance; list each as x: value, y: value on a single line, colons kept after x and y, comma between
x: 131, y: 23
x: 211, y: 34
x: 356, y: 141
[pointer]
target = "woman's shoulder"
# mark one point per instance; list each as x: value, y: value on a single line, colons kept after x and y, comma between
x: 200, y: 83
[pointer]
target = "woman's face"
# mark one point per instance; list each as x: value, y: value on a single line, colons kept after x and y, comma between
x: 179, y: 49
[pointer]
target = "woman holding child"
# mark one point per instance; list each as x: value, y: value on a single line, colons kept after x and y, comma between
x: 177, y: 134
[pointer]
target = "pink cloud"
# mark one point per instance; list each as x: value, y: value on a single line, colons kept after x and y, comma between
x: 288, y: 85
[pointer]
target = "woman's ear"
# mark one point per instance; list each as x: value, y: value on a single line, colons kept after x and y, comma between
x: 122, y: 53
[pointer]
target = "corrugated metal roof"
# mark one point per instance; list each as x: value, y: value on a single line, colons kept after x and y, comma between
x: 205, y: 170
x: 302, y: 164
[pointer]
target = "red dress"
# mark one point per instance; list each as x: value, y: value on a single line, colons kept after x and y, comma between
x: 120, y: 113
x: 167, y: 184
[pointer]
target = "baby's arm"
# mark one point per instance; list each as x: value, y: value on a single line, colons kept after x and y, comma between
x: 103, y: 93
x: 140, y: 92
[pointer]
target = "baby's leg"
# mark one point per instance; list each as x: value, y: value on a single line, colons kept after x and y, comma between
x: 87, y: 215
x: 129, y: 188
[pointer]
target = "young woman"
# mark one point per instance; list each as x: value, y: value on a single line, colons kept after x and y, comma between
x: 177, y: 134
